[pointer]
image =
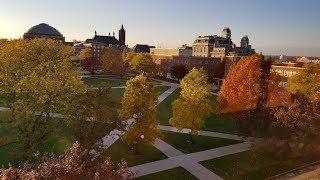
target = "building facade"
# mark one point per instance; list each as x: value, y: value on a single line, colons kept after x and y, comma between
x: 220, y: 46
x: 99, y: 42
x: 287, y: 70
x: 184, y: 51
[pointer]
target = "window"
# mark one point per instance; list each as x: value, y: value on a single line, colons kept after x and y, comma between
x: 194, y: 62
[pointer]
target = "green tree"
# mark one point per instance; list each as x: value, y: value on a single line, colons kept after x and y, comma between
x: 139, y: 102
x: 37, y: 78
x: 193, y: 105
x: 306, y: 82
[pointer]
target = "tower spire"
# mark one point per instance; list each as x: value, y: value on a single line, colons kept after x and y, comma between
x: 122, y: 36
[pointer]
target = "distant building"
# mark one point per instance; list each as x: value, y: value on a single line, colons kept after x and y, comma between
x: 99, y: 42
x: 308, y: 60
x: 43, y: 30
x: 184, y: 51
x: 142, y: 48
x: 220, y: 46
x: 287, y: 70
x: 122, y: 36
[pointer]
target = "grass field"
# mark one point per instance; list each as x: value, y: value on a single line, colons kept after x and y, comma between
x: 164, y: 110
x: 252, y: 166
x: 213, y: 123
x: 178, y: 173
x: 57, y: 142
x: 201, y: 143
x: 94, y: 82
x: 146, y: 153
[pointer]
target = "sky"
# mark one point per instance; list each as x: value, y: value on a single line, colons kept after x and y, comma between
x: 274, y: 27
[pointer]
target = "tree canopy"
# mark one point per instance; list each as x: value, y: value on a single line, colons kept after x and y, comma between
x: 193, y: 105
x: 306, y: 82
x: 141, y: 63
x: 178, y: 71
x: 112, y: 61
x: 37, y: 78
x: 139, y: 102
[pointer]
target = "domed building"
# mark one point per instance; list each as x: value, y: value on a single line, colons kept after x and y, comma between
x: 226, y: 33
x: 43, y: 30
x: 220, y: 46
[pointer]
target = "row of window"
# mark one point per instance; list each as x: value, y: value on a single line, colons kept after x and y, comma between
x: 199, y: 49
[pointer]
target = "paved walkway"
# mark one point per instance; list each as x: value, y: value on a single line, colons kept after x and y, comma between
x: 188, y: 161
x: 193, y: 167
x: 114, y: 135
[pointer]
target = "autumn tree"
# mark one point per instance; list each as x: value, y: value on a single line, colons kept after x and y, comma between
x: 179, y: 71
x: 141, y: 63
x: 193, y: 105
x: 86, y: 53
x: 37, y: 78
x: 74, y: 164
x: 88, y: 62
x: 306, y: 82
x: 247, y: 92
x: 112, y: 61
x: 217, y: 71
x: 93, y: 115
x: 139, y: 102
x: 295, y: 131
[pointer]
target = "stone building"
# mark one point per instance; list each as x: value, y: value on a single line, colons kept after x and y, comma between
x: 184, y: 51
x: 99, y: 42
x: 220, y: 46
x: 43, y: 30
x: 287, y: 70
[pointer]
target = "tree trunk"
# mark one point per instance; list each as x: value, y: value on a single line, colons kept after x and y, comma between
x: 134, y: 150
x: 190, y: 140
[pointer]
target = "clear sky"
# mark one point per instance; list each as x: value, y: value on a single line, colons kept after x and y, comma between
x: 290, y: 27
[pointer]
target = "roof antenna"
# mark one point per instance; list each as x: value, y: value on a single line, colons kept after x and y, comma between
x: 95, y: 33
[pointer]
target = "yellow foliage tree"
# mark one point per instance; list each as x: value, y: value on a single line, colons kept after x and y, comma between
x: 306, y: 82
x: 141, y: 63
x: 37, y: 78
x: 112, y: 61
x: 193, y: 105
x: 139, y: 102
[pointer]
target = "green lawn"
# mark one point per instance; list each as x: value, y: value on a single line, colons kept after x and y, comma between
x: 57, y: 142
x: 201, y: 143
x: 213, y: 123
x: 164, y: 109
x: 160, y: 89
x: 178, y: 173
x: 147, y: 153
x: 94, y: 82
x: 117, y: 94
x: 250, y: 165
x: 218, y: 123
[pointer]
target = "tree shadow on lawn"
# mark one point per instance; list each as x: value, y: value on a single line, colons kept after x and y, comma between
x: 146, y: 153
x: 200, y: 143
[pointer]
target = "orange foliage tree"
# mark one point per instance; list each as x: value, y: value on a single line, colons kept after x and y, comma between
x: 250, y: 89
